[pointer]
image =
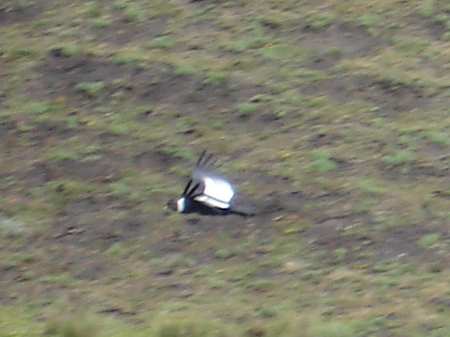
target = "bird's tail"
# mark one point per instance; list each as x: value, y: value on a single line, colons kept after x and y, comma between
x: 243, y: 210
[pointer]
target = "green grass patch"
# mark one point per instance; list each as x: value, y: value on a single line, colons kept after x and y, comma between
x: 248, y: 108
x: 441, y: 138
x: 17, y: 321
x: 428, y: 240
x: 399, y: 157
x: 90, y: 88
x: 162, y: 42
x: 322, y: 161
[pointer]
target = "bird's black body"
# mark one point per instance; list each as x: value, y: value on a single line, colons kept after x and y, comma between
x: 206, y: 192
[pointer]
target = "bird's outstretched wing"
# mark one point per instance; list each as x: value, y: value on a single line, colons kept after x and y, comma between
x: 207, y: 187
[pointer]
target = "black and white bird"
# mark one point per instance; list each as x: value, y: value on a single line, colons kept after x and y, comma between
x: 207, y: 192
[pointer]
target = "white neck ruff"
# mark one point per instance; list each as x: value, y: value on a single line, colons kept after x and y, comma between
x: 181, y: 204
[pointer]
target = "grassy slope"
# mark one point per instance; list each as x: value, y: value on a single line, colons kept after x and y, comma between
x: 346, y: 102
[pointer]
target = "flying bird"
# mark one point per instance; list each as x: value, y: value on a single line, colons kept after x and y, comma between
x: 207, y: 192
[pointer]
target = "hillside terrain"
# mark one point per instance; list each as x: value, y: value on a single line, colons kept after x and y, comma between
x: 332, y: 117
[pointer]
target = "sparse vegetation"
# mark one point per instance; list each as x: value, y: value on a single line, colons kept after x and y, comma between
x: 398, y: 157
x: 66, y: 324
x: 90, y: 88
x: 245, y: 109
x: 322, y: 161
x: 331, y: 116
x: 428, y: 240
x: 11, y: 228
x: 163, y: 42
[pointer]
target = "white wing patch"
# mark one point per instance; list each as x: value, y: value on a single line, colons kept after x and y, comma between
x: 217, y: 193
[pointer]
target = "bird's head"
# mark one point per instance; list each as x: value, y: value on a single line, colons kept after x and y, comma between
x: 172, y: 204
x: 176, y: 204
